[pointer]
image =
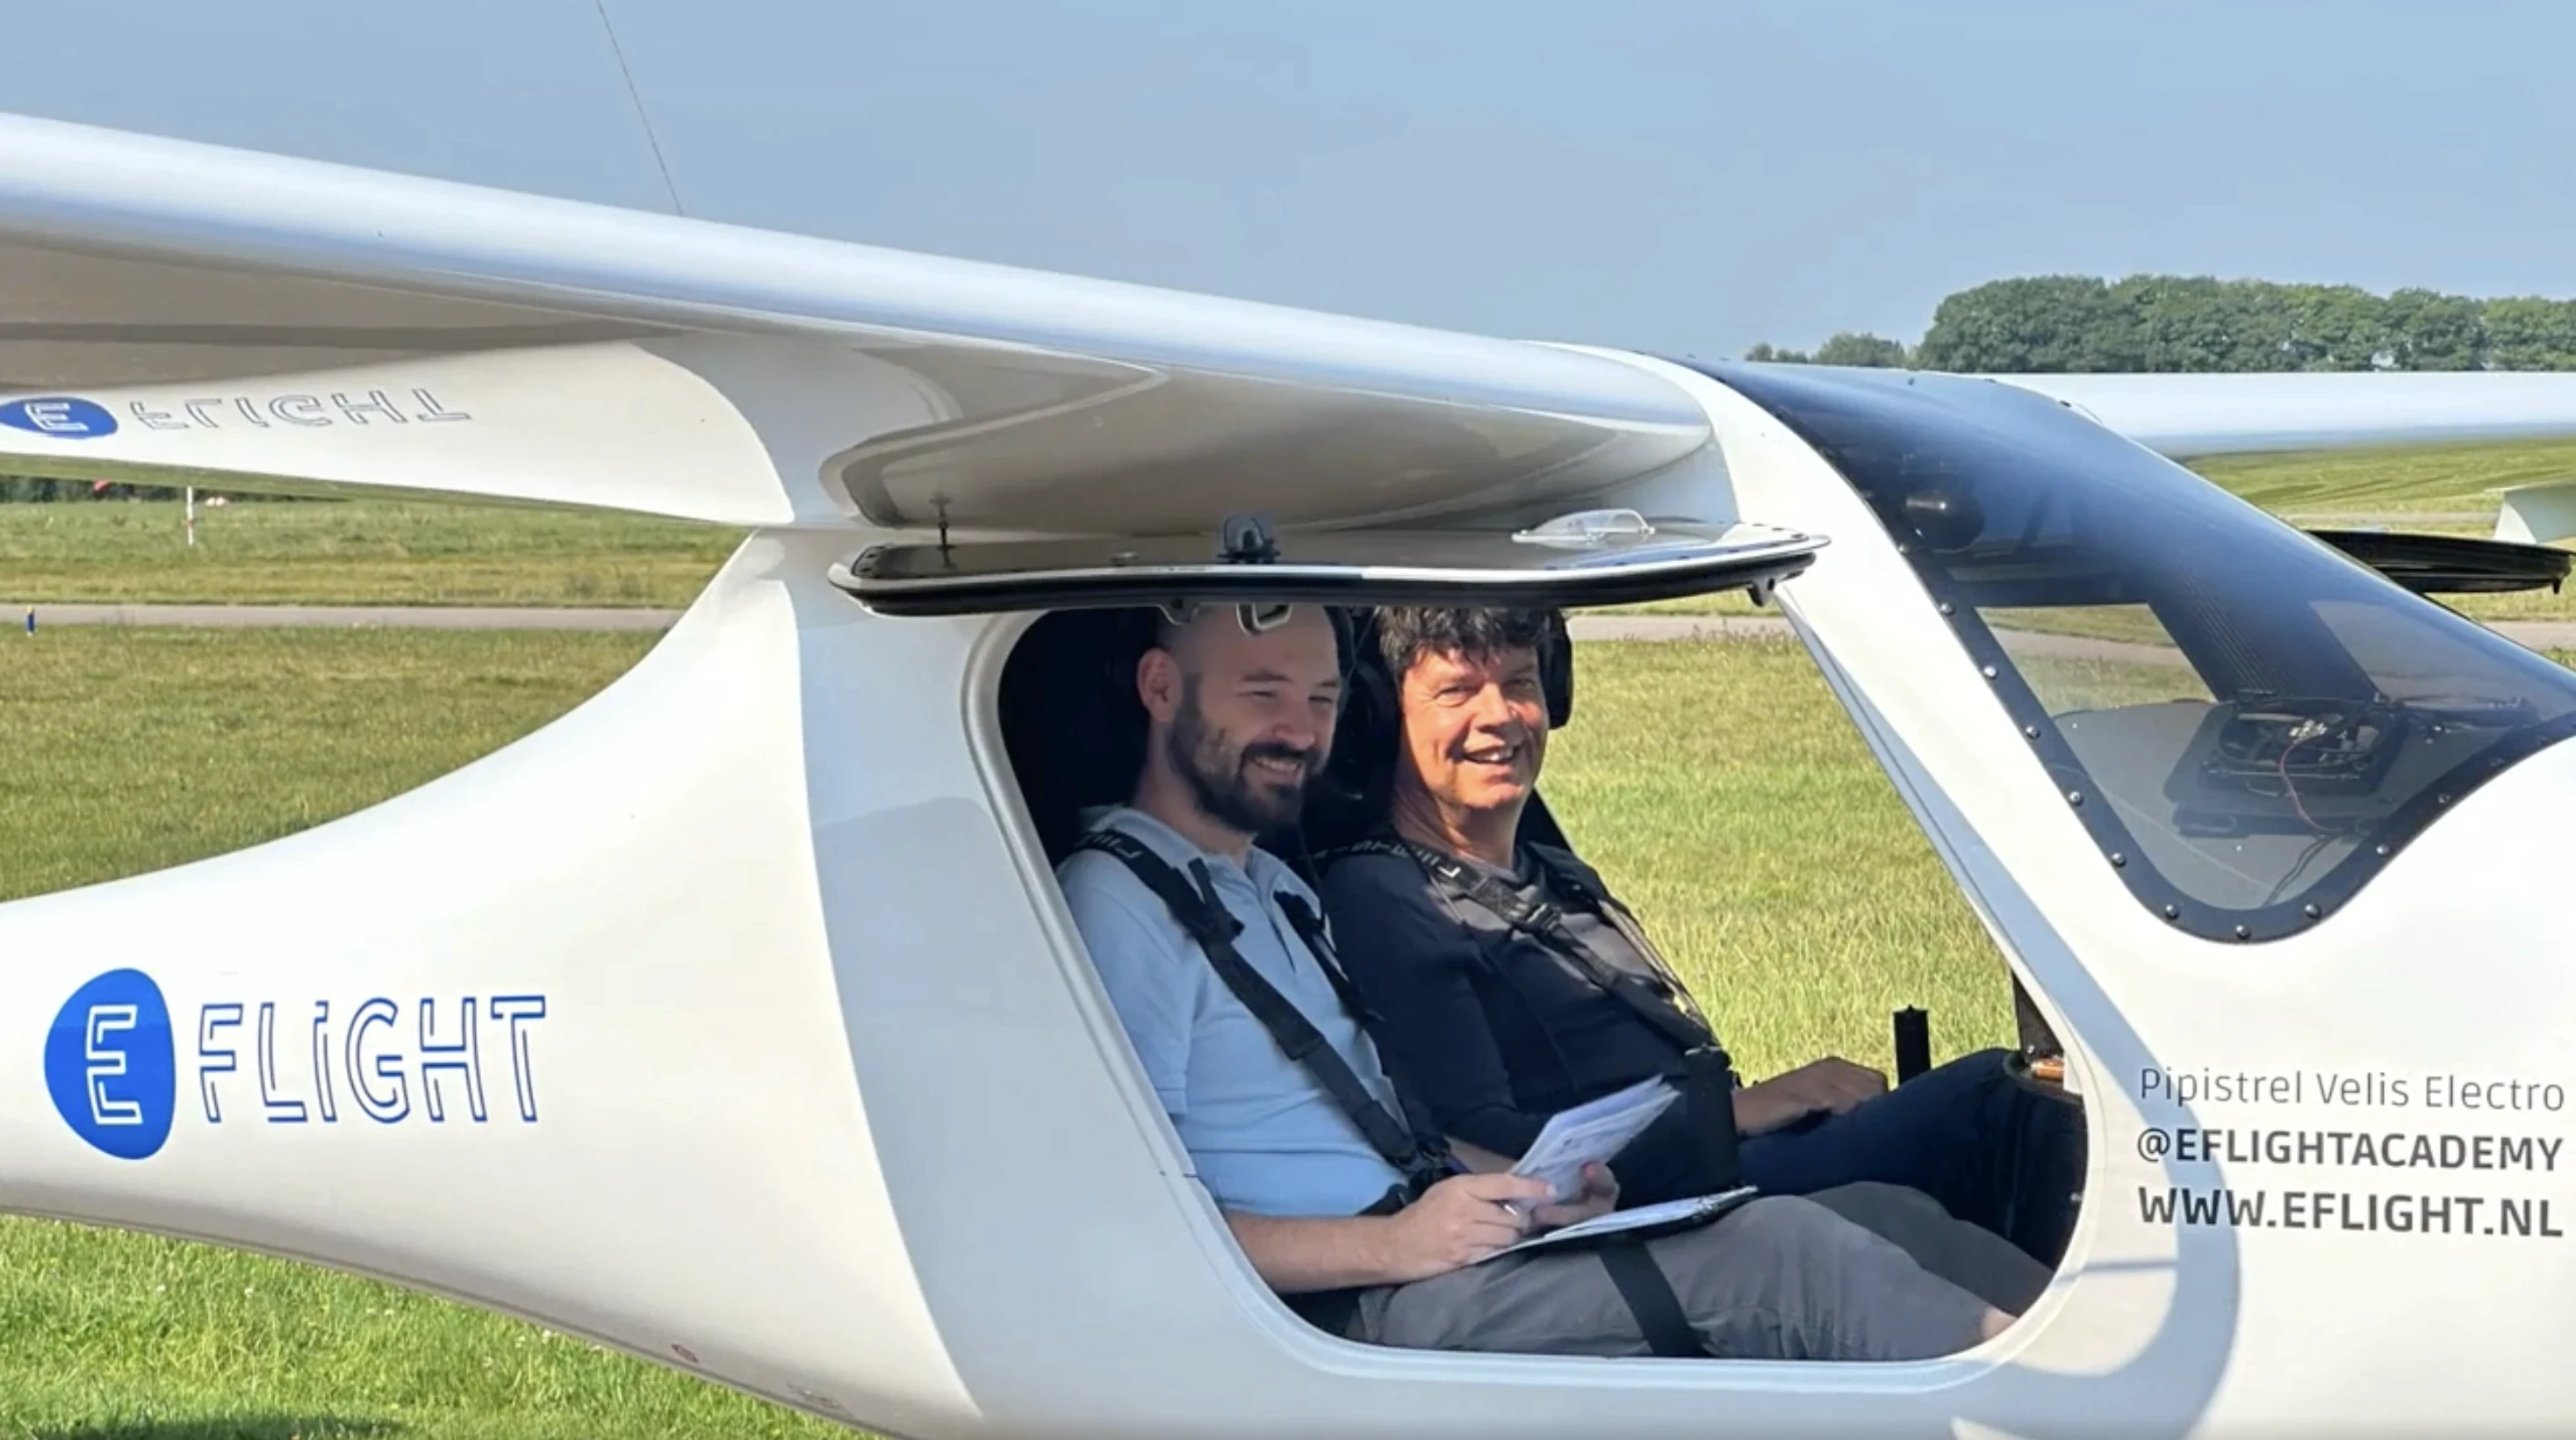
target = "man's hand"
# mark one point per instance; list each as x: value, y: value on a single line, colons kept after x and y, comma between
x: 1599, y: 1196
x: 1456, y: 1223
x: 1832, y: 1084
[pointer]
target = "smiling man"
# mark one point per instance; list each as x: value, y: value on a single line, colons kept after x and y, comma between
x: 1509, y: 984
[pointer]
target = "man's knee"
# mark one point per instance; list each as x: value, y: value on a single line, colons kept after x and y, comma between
x: 1868, y: 1202
x: 1783, y: 1253
x: 1832, y: 1288
x: 1789, y: 1230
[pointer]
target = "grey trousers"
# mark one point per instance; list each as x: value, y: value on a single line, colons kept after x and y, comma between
x: 1969, y: 1256
x: 1780, y: 1278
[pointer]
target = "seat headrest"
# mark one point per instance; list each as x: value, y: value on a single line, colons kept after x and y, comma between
x: 1071, y: 722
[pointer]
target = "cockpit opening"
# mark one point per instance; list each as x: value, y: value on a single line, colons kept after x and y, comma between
x: 1493, y: 992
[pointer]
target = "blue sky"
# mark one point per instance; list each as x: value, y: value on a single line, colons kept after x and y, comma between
x: 1685, y: 177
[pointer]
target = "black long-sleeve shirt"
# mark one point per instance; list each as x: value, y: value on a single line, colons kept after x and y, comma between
x: 1492, y: 1030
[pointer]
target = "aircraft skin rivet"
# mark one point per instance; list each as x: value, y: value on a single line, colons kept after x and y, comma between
x: 2119, y: 861
x: 2173, y: 912
x: 2311, y: 910
x: 2074, y: 797
x: 1945, y: 607
x: 2031, y: 730
x: 2244, y: 932
x: 2383, y: 849
x: 1989, y: 672
x: 2441, y: 799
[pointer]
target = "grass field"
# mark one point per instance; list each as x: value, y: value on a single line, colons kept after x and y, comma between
x: 354, y: 552
x: 1782, y: 871
x: 2430, y: 479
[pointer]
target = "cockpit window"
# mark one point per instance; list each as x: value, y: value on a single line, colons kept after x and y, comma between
x: 2249, y: 722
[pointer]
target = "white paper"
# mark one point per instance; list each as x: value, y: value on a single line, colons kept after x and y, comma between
x: 1695, y: 1206
x: 1593, y: 1133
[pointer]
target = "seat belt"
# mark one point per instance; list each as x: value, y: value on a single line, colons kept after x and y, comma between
x: 1650, y: 1299
x: 1666, y: 1005
x: 1200, y: 913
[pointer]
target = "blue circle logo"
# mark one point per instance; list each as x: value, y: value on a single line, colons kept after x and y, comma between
x: 66, y: 416
x: 112, y: 1066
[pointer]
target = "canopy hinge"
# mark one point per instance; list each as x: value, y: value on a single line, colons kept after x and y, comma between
x: 1248, y: 541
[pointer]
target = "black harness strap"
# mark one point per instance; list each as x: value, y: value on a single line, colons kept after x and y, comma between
x: 1663, y: 1002
x: 1310, y: 928
x: 1650, y: 1298
x: 1205, y: 917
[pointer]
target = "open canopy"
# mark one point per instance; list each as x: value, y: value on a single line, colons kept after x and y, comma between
x: 1590, y: 558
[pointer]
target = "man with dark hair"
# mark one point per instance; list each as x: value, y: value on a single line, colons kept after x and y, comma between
x: 1510, y: 984
x: 1369, y: 1223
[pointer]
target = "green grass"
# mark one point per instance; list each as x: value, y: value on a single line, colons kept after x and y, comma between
x: 353, y: 552
x: 1722, y: 790
x: 133, y: 749
x: 2452, y: 478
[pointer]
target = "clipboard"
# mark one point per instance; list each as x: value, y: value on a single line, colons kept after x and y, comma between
x: 1644, y: 1221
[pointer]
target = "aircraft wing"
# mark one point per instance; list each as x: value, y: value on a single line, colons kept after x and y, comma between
x: 190, y: 313
x: 2185, y: 416
x: 178, y: 312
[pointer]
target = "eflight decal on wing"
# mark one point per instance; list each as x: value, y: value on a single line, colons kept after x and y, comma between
x: 615, y: 423
x: 59, y: 417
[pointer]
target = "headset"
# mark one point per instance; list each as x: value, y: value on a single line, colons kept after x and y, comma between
x: 1371, y: 708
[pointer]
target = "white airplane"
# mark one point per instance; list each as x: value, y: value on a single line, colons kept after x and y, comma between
x: 734, y: 1020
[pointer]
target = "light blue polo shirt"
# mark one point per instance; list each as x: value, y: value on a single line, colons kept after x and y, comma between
x: 1266, y: 1138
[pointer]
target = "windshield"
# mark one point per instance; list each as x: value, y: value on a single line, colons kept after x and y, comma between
x: 2249, y: 722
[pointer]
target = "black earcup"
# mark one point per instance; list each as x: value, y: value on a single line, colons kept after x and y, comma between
x: 1556, y: 671
x: 1364, y: 735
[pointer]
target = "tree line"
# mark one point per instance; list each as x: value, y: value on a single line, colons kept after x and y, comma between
x: 2163, y: 323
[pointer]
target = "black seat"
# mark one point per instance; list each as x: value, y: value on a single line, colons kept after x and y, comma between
x: 1071, y: 722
